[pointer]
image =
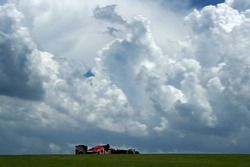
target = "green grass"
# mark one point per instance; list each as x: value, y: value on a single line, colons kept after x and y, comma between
x: 164, y: 160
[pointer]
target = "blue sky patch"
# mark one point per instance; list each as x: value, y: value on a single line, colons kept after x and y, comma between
x: 202, y: 3
x: 89, y: 74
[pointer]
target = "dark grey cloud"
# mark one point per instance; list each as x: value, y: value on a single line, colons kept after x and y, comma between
x: 175, y: 5
x: 108, y: 13
x: 17, y: 78
x: 112, y: 31
x: 2, y: 1
x: 239, y: 5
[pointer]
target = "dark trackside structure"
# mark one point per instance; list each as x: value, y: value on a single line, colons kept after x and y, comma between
x: 102, y: 149
x: 81, y: 149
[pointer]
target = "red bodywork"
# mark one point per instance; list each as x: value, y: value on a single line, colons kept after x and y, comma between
x: 97, y: 149
x: 100, y: 149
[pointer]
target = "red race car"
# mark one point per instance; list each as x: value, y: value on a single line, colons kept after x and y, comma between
x: 102, y: 149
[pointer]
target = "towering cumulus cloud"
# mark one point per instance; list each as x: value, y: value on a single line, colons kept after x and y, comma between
x: 195, y: 100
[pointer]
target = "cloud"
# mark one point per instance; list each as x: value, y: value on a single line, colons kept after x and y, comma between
x: 195, y: 98
x: 2, y: 1
x: 240, y: 5
x: 108, y: 13
x: 41, y: 16
x: 195, y: 91
x: 135, y: 65
x: 225, y: 67
x: 65, y: 91
x: 112, y: 31
x: 18, y: 79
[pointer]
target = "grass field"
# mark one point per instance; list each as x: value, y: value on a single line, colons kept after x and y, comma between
x: 164, y: 160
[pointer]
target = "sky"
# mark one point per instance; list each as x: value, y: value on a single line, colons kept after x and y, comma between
x: 161, y: 76
x: 200, y: 4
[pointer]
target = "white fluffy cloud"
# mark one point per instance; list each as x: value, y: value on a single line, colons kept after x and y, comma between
x: 195, y: 99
